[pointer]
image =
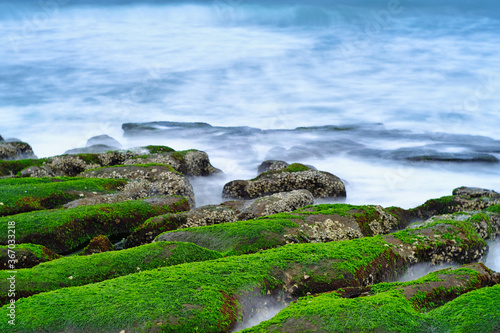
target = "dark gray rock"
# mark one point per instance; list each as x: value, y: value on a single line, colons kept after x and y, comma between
x: 321, y: 184
x: 1, y: 139
x: 277, y: 203
x: 272, y: 165
x: 147, y: 181
x: 15, y: 150
x: 475, y: 192
x: 189, y: 163
x: 103, y: 140
x: 95, y: 149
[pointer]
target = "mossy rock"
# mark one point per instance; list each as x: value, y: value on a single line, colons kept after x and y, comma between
x: 26, y: 256
x: 295, y: 177
x: 19, y: 195
x: 190, y: 162
x: 63, y: 231
x: 320, y: 223
x: 82, y: 270
x: 386, y: 307
x: 12, y: 168
x: 98, y: 244
x: 201, y: 216
x: 206, y: 296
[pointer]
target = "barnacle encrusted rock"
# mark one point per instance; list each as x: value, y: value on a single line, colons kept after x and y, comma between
x: 277, y: 203
x: 190, y: 162
x: 297, y: 176
x: 199, y: 217
x: 146, y: 181
x: 15, y: 150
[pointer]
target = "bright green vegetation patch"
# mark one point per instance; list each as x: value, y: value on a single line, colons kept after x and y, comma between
x: 65, y: 230
x: 384, y: 312
x: 81, y: 270
x: 11, y: 168
x: 493, y: 209
x: 459, y: 233
x: 26, y: 255
x: 197, y: 296
x: 47, y: 193
x: 237, y: 238
x: 158, y: 149
x: 475, y: 312
x: 390, y: 310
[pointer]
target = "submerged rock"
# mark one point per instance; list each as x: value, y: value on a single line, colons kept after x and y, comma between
x: 15, y: 150
x: 295, y: 177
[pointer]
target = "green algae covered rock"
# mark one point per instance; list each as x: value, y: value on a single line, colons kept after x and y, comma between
x: 395, y: 307
x: 65, y: 230
x: 201, y: 216
x: 207, y: 296
x: 320, y: 223
x: 98, y: 244
x: 26, y: 256
x: 19, y: 195
x: 81, y: 270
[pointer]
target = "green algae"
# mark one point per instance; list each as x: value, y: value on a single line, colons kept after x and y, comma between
x: 65, y: 230
x: 26, y: 194
x: 82, y: 270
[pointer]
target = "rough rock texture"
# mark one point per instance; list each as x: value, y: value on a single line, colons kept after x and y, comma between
x: 277, y: 203
x: 272, y: 165
x: 391, y: 307
x: 189, y: 163
x: 15, y: 151
x: 27, y: 255
x: 321, y: 184
x: 208, y: 294
x: 202, y: 216
x: 475, y: 192
x: 98, y: 244
x: 147, y: 181
x: 312, y: 224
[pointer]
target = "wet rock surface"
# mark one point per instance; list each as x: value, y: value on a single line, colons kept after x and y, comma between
x: 297, y: 176
x: 15, y: 150
x: 98, y: 244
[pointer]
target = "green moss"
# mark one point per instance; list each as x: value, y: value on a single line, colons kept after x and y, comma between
x: 180, y: 155
x: 239, y: 237
x: 384, y: 312
x: 26, y: 194
x: 295, y: 167
x: 65, y: 230
x: 27, y: 255
x: 82, y: 270
x: 386, y: 309
x: 493, y: 209
x: 146, y: 165
x: 196, y: 295
x: 474, y: 312
x: 158, y: 149
x: 12, y: 168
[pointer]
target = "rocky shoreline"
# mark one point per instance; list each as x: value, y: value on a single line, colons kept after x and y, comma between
x: 111, y: 240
